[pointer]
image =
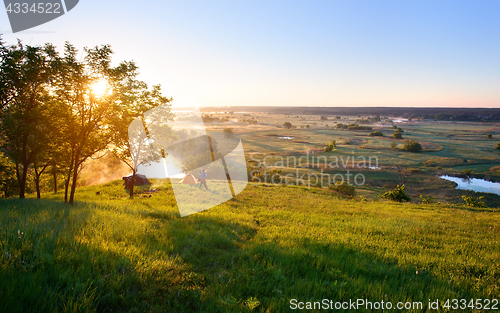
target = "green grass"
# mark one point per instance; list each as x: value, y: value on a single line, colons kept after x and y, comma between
x: 270, y: 244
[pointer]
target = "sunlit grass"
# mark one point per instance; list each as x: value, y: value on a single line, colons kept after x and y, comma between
x: 255, y: 252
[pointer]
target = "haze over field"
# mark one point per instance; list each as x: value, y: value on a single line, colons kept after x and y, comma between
x: 297, y: 53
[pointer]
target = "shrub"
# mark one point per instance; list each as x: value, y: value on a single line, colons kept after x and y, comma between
x: 489, y: 136
x: 427, y: 200
x: 498, y: 145
x: 287, y: 125
x: 345, y: 189
x: 412, y: 146
x: 467, y: 172
x: 393, y: 146
x: 329, y: 147
x: 397, y: 135
x: 471, y: 202
x: 376, y: 133
x: 398, y: 194
x: 228, y: 132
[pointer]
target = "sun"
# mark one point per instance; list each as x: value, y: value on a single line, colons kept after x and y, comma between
x: 100, y: 88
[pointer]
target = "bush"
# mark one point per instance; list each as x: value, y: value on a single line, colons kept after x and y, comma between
x: 398, y: 194
x: 397, y: 135
x: 345, y: 189
x: 427, y: 200
x: 471, y: 202
x: 376, y: 133
x: 393, y: 146
x: 228, y: 132
x: 489, y: 136
x: 412, y: 146
x: 498, y: 145
x: 467, y: 172
x: 329, y: 147
x: 287, y: 125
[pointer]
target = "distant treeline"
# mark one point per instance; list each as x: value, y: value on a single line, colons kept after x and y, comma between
x: 442, y: 114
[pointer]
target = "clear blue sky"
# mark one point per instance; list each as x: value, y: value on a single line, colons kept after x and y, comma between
x: 304, y: 53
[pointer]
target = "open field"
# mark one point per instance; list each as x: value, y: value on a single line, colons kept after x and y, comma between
x: 448, y: 149
x: 268, y: 245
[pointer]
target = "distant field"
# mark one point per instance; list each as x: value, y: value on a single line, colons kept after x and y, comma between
x: 448, y: 149
x: 108, y: 253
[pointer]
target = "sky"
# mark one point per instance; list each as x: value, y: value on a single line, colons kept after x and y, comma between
x: 438, y: 53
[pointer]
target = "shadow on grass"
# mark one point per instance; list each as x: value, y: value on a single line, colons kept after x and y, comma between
x: 202, y: 263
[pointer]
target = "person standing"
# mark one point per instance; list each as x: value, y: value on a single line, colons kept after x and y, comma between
x: 203, y: 179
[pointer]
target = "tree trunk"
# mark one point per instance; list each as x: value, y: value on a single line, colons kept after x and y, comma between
x: 132, y: 183
x: 37, y: 184
x: 22, y: 183
x: 54, y: 174
x: 75, y: 177
x: 66, y: 182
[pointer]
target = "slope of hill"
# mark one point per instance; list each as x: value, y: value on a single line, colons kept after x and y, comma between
x: 257, y: 252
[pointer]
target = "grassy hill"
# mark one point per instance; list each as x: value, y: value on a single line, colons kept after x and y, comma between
x: 257, y: 252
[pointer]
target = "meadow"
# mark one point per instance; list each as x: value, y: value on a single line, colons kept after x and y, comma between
x: 254, y: 253
x: 449, y: 148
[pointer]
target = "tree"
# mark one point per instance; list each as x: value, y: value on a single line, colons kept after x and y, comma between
x: 489, y: 136
x: 131, y: 143
x: 25, y: 76
x: 412, y: 146
x: 90, y: 112
x: 393, y: 146
x: 324, y: 118
x: 498, y: 145
x: 287, y: 125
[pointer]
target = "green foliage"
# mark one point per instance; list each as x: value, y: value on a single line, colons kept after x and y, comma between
x: 467, y: 172
x: 475, y: 203
x: 397, y: 135
x: 376, y: 133
x: 345, y: 189
x: 8, y: 180
x: 324, y: 118
x: 489, y: 136
x: 412, y: 146
x: 398, y: 194
x: 329, y: 147
x: 427, y: 200
x: 393, y: 146
x: 498, y: 145
x: 287, y: 125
